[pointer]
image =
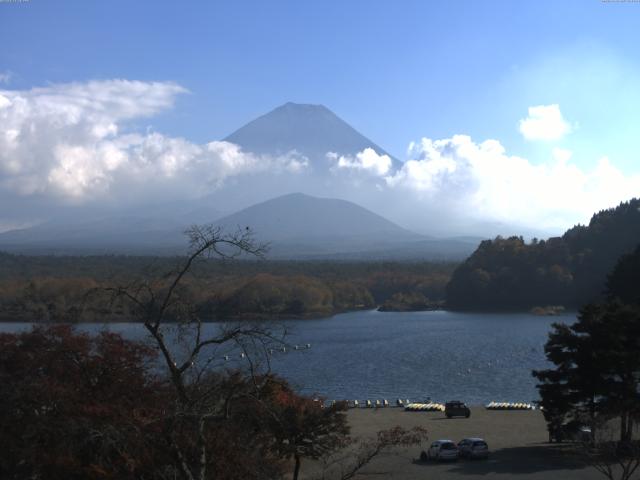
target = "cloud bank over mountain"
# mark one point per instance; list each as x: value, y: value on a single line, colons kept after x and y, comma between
x: 83, y: 143
x: 486, y: 181
x: 71, y: 142
x: 368, y: 160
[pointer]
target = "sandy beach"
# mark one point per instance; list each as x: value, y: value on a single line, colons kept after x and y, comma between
x: 517, y: 442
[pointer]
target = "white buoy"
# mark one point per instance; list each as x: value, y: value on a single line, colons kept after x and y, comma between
x: 226, y: 357
x: 242, y: 355
x: 308, y: 345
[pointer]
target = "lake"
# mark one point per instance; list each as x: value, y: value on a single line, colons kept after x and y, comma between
x: 473, y: 357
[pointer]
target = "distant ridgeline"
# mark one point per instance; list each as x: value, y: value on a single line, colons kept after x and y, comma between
x: 509, y: 274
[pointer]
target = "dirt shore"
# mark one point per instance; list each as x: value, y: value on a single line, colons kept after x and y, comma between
x: 517, y: 442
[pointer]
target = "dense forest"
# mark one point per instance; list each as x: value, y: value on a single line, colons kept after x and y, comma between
x: 502, y: 274
x: 511, y: 274
x: 68, y: 288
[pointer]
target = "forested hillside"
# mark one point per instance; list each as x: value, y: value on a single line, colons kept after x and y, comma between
x: 510, y: 274
x: 48, y: 288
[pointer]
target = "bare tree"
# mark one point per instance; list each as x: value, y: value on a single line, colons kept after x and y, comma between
x: 614, y: 459
x: 190, y: 348
x: 357, y: 453
x: 203, y: 397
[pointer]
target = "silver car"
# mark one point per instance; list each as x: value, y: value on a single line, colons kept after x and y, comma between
x: 442, y: 450
x: 473, y: 448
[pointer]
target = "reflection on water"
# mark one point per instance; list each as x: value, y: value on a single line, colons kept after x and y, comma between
x: 443, y: 355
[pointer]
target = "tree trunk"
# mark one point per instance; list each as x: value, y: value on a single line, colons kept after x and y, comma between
x: 625, y: 428
x: 202, y: 446
x: 296, y: 469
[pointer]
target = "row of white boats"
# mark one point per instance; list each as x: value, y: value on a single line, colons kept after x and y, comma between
x: 433, y: 406
x: 510, y: 406
x: 424, y: 407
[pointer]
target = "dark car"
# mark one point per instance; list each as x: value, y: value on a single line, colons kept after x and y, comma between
x: 571, y: 431
x: 456, y: 408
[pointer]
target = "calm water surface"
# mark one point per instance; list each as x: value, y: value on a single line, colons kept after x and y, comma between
x: 378, y: 355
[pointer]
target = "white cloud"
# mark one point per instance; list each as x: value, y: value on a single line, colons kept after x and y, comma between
x: 368, y: 160
x: 545, y: 122
x: 481, y: 181
x: 74, y: 143
x: 70, y: 141
x: 561, y: 155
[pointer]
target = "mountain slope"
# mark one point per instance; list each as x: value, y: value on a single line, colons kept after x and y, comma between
x: 297, y: 226
x: 304, y: 227
x: 129, y: 234
x: 310, y: 130
x: 298, y: 217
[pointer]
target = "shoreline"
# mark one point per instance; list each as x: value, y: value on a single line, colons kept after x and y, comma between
x: 310, y: 316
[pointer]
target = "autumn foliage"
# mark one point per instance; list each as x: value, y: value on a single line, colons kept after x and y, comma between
x: 67, y: 289
x: 77, y: 406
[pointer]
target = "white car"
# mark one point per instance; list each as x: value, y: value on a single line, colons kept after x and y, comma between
x: 442, y: 450
x: 473, y: 448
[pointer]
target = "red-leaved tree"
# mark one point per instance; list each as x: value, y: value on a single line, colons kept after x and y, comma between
x: 77, y: 406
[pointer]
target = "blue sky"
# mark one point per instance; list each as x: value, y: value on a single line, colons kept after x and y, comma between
x: 396, y: 71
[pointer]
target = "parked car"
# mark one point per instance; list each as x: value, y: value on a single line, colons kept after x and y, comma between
x: 473, y: 448
x: 572, y: 431
x: 456, y: 408
x: 442, y: 450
